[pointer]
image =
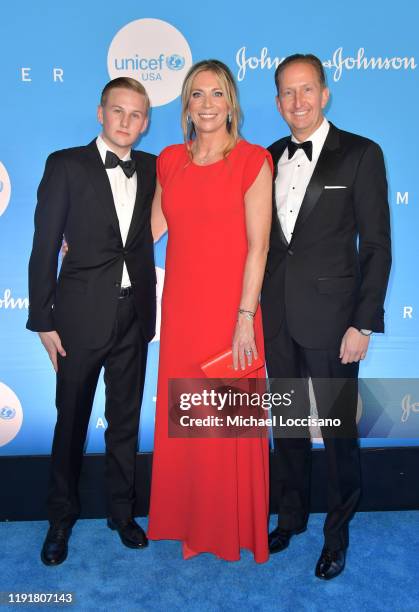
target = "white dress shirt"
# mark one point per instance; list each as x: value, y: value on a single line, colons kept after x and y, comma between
x: 293, y: 178
x: 124, y: 191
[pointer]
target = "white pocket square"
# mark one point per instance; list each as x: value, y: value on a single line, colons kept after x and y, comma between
x: 335, y: 187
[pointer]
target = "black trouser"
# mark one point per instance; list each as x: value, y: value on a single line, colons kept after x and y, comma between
x: 292, y: 456
x: 124, y: 359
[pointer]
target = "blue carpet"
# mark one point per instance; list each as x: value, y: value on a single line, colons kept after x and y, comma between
x: 381, y: 573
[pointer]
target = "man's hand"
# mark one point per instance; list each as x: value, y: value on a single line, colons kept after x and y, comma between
x: 52, y: 343
x: 354, y: 346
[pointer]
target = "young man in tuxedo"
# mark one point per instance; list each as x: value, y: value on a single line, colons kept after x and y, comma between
x: 101, y: 309
x: 323, y: 294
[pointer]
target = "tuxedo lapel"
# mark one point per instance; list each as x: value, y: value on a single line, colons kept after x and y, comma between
x: 324, y: 168
x: 99, y: 179
x: 143, y: 179
x: 276, y: 151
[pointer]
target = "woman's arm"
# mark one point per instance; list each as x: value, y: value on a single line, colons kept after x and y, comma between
x: 258, y: 210
x: 158, y: 221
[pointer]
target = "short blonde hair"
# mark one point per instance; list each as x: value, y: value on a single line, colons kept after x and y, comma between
x: 229, y: 87
x: 125, y: 83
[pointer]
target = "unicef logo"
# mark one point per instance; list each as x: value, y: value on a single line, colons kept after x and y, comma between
x: 11, y: 414
x: 5, y: 189
x: 155, y: 53
x: 7, y: 413
x: 175, y: 62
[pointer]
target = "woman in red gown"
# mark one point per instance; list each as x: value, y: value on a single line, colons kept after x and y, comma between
x: 214, y: 197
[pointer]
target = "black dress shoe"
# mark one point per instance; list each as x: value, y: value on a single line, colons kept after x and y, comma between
x: 130, y: 533
x: 279, y: 538
x: 330, y: 564
x: 55, y: 548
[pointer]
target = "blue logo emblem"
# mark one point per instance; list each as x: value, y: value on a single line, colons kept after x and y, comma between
x: 175, y: 62
x: 7, y: 413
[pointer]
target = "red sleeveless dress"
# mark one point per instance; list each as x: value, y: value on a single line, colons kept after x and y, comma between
x: 211, y: 494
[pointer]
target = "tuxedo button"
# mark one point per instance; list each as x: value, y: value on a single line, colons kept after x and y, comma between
x: 125, y: 251
x: 290, y: 252
x: 117, y: 284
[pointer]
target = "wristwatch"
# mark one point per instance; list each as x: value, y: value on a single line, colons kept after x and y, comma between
x: 365, y: 332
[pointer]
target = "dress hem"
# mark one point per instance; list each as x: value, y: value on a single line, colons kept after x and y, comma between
x: 210, y: 552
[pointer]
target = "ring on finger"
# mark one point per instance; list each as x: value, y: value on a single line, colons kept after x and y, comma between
x: 248, y: 353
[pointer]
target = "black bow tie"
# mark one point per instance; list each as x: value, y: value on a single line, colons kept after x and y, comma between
x: 112, y: 161
x: 307, y: 147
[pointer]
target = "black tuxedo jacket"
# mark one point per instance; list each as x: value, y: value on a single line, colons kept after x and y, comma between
x: 334, y: 272
x: 75, y: 199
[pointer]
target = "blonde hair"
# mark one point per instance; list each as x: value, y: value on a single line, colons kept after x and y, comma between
x: 228, y: 85
x: 125, y: 83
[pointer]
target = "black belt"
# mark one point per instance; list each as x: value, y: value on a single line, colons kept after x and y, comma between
x: 125, y: 292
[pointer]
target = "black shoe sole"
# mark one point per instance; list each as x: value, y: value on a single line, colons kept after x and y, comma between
x: 134, y: 546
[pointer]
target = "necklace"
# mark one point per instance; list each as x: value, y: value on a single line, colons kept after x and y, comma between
x: 206, y: 158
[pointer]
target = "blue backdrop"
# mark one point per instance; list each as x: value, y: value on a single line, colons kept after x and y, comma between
x: 55, y: 59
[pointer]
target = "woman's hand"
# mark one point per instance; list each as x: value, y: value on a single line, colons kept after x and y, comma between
x: 244, y: 347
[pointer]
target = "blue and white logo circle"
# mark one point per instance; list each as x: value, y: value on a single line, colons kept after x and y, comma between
x: 7, y: 413
x: 175, y: 62
x: 155, y: 53
x: 5, y: 189
x: 11, y: 414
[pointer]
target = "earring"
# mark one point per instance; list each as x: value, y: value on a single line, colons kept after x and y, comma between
x: 229, y: 118
x: 188, y: 118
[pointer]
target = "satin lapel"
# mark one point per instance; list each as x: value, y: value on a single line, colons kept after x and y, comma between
x: 99, y: 179
x: 142, y: 188
x: 324, y: 168
x: 276, y: 232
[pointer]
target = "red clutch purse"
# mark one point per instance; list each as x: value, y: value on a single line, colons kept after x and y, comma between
x: 221, y: 366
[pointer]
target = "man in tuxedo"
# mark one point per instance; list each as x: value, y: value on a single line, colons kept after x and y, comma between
x: 100, y: 312
x: 323, y: 295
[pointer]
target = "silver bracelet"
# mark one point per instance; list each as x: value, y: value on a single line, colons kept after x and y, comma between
x: 248, y: 314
